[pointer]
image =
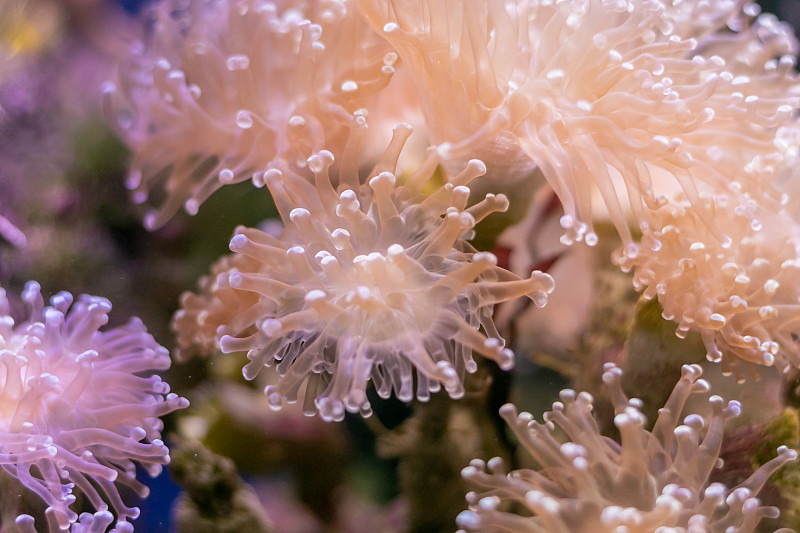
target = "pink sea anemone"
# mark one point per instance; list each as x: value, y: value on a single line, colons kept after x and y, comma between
x: 80, y: 407
x: 221, y: 89
x: 370, y: 280
x: 648, y: 481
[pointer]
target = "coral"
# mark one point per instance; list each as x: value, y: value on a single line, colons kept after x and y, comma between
x: 80, y: 407
x: 87, y: 523
x: 640, y: 104
x: 750, y: 42
x: 605, y: 93
x: 648, y: 481
x: 369, y: 281
x: 221, y: 90
x: 742, y: 299
x: 216, y: 499
x: 196, y: 322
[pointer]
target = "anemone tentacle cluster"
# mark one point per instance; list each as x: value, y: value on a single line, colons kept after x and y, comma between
x: 649, y: 103
x: 606, y: 93
x: 743, y: 299
x: 642, y: 104
x: 219, y: 90
x: 98, y: 522
x: 80, y: 407
x: 648, y: 481
x: 216, y: 304
x: 679, y: 116
x: 369, y: 280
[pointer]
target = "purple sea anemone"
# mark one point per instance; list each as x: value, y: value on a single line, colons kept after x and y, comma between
x: 80, y: 407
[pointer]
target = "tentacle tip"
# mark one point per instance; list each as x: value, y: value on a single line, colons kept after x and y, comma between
x: 788, y: 453
x: 238, y: 243
x: 468, y: 519
x: 478, y: 166
x: 508, y: 410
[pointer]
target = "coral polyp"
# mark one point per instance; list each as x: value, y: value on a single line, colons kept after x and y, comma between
x: 607, y: 95
x: 80, y: 407
x: 218, y: 90
x: 743, y: 299
x: 649, y: 481
x: 369, y: 282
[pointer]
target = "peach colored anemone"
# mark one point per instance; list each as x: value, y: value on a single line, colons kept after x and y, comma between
x: 640, y: 103
x: 80, y: 406
x: 215, y: 304
x: 743, y: 299
x: 220, y: 90
x: 603, y: 94
x: 370, y: 281
x: 648, y: 481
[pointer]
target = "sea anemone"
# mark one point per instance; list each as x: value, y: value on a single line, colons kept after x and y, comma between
x: 742, y: 299
x: 79, y: 407
x: 648, y: 481
x: 371, y: 281
x: 87, y: 523
x: 605, y: 94
x: 221, y: 89
x: 643, y: 104
x: 215, y: 304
